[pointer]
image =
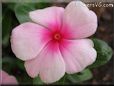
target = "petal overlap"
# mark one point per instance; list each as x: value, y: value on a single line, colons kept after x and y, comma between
x: 49, y: 64
x: 28, y: 39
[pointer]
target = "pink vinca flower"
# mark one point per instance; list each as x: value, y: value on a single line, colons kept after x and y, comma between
x: 6, y: 79
x: 55, y: 43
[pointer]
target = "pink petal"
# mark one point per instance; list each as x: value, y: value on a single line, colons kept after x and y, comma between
x: 78, y: 54
x: 49, y: 64
x: 79, y: 20
x: 7, y: 79
x: 28, y: 39
x: 48, y: 17
x: 33, y: 66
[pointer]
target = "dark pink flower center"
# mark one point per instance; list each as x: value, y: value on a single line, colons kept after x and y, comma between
x: 56, y: 36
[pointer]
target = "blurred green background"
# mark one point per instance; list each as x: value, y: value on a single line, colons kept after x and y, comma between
x: 15, y: 13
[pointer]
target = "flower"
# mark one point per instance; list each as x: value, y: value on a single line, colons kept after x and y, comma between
x: 6, y: 79
x: 57, y: 42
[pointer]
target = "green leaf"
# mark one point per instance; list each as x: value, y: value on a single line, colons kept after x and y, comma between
x: 9, y: 21
x: 37, y: 81
x: 80, y: 77
x: 6, y: 26
x: 11, y: 6
x: 104, y: 53
x: 62, y: 81
x: 12, y: 62
x: 22, y: 11
x: 42, y: 5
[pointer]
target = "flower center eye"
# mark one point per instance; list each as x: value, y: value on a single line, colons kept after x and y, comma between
x: 57, y: 36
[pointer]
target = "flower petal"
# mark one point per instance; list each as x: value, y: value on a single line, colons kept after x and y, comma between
x: 79, y: 20
x: 48, y: 17
x: 78, y: 54
x: 27, y: 40
x: 7, y: 79
x: 33, y: 66
x: 49, y: 64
